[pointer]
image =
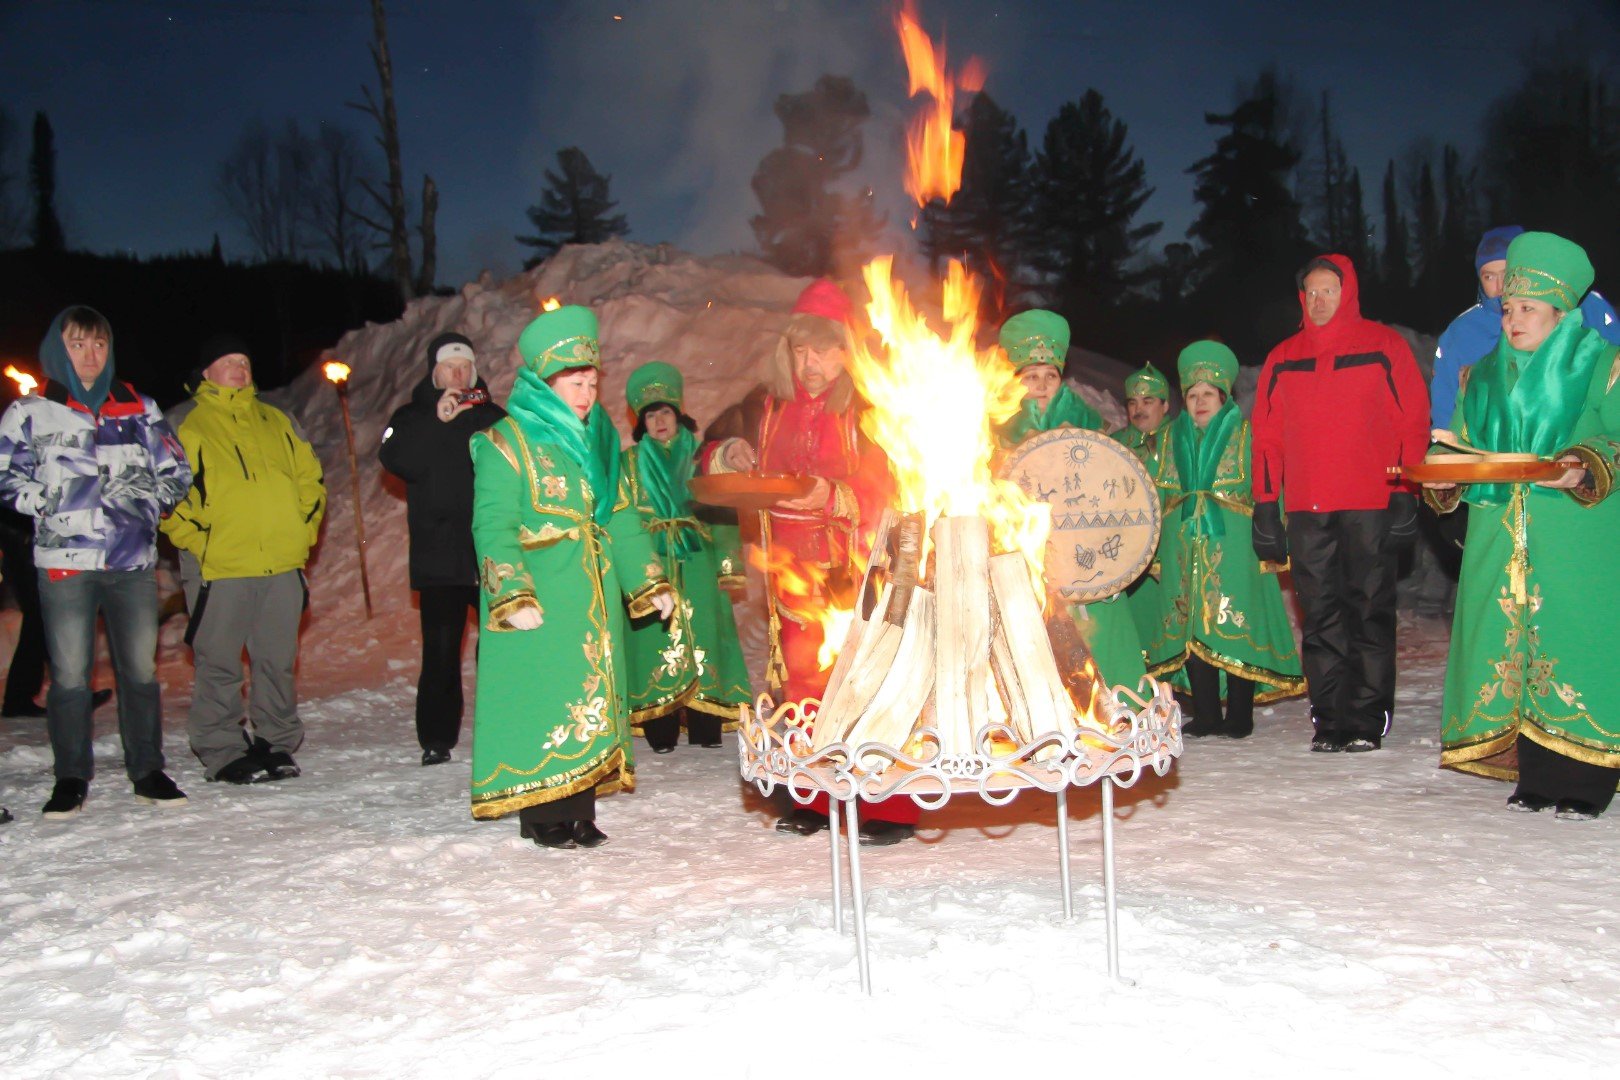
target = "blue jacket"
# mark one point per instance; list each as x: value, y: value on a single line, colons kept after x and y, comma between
x: 1475, y: 333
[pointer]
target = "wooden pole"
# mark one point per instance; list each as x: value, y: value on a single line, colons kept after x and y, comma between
x: 354, y: 478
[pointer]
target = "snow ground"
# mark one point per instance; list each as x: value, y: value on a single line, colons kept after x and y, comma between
x: 1280, y: 912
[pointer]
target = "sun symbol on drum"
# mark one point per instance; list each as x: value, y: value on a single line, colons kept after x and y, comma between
x: 1079, y: 453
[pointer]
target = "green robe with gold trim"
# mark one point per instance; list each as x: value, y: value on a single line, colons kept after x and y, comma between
x: 695, y: 660
x: 551, y: 718
x: 1532, y: 642
x: 1145, y: 596
x: 1217, y: 604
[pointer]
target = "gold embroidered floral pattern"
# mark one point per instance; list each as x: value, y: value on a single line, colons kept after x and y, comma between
x: 494, y: 573
x: 555, y: 487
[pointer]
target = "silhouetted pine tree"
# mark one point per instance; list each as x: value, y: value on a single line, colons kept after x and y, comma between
x: 47, y: 227
x: 574, y: 208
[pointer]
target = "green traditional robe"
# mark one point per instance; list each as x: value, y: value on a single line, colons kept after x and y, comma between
x: 1107, y: 626
x: 1146, y: 595
x: 1217, y: 604
x: 694, y: 660
x: 1532, y: 641
x: 551, y: 718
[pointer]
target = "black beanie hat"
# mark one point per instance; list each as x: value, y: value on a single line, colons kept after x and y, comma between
x: 1318, y: 263
x: 448, y: 338
x: 221, y: 345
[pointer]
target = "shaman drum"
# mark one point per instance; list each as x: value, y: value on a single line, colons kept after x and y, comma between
x: 1105, y: 511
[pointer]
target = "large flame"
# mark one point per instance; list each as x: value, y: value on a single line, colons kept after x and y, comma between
x: 934, y: 149
x: 803, y: 588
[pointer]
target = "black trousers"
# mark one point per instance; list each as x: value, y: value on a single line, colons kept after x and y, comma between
x: 438, y: 690
x: 1205, y: 678
x: 1344, y: 567
x: 702, y: 729
x: 1553, y: 776
x: 580, y: 806
x: 27, y: 675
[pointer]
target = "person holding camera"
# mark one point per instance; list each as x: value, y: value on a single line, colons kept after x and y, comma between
x: 425, y: 445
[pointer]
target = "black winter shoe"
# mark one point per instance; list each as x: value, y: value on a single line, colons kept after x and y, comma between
x: 244, y: 770
x: 156, y: 789
x: 884, y: 833
x: 5, y: 816
x: 1326, y: 742
x: 435, y: 757
x: 1528, y: 804
x: 586, y: 834
x: 551, y: 834
x: 1576, y: 810
x: 67, y: 798
x: 663, y: 749
x: 1361, y: 744
x: 277, y: 764
x: 803, y: 821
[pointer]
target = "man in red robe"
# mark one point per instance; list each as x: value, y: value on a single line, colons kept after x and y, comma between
x: 816, y: 543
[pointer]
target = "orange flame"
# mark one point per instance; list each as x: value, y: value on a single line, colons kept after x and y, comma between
x: 550, y: 303
x: 934, y: 149
x: 336, y: 371
x: 803, y: 589
x: 26, y: 383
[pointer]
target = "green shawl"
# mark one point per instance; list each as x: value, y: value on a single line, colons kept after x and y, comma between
x: 664, y: 471
x: 592, y: 445
x: 1198, y: 461
x: 1527, y: 403
x: 1066, y: 409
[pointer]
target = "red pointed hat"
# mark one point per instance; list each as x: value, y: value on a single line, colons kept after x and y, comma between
x: 822, y: 297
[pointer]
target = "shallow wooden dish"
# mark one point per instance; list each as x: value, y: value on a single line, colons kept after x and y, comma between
x: 750, y: 491
x: 1483, y: 469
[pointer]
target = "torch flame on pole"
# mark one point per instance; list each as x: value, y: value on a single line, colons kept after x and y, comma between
x: 335, y: 371
x: 26, y: 383
x: 551, y: 303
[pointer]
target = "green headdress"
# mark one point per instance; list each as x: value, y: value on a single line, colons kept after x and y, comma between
x: 1148, y: 382
x: 1036, y: 337
x: 559, y: 340
x: 1542, y: 266
x: 655, y: 383
x: 1207, y: 362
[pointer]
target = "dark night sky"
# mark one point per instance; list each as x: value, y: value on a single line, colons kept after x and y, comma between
x: 674, y: 100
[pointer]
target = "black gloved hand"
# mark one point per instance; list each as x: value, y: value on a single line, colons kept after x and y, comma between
x: 1403, y: 522
x: 1270, y: 541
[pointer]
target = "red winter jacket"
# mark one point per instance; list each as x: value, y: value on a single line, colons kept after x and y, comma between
x: 1336, y: 406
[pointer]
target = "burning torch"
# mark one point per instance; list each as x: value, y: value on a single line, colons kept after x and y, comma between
x: 338, y: 375
x: 26, y: 383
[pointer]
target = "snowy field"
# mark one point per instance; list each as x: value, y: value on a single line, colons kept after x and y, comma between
x: 1281, y: 913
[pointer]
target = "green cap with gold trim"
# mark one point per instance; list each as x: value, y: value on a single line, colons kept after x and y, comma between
x: 1207, y: 362
x: 1149, y: 382
x: 1036, y: 337
x: 655, y: 383
x: 1543, y: 266
x: 559, y: 340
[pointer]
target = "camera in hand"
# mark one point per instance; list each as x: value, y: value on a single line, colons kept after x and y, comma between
x: 476, y: 396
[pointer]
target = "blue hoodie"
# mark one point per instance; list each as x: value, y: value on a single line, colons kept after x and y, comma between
x: 1476, y: 331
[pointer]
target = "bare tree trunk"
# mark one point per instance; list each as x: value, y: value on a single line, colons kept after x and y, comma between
x: 399, y: 238
x: 430, y: 244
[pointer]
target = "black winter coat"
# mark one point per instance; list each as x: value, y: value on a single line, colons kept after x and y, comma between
x: 433, y: 459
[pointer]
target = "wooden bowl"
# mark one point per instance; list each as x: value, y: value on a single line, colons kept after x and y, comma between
x: 750, y: 491
x: 1483, y: 469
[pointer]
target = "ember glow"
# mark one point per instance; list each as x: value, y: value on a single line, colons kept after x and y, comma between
x: 335, y: 371
x: 26, y: 383
x: 550, y: 303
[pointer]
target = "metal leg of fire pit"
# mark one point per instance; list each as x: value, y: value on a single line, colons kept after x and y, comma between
x: 1110, y: 909
x: 837, y: 870
x: 1063, y: 852
x: 857, y: 897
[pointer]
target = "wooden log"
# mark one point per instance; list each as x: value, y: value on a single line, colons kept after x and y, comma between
x: 870, y: 657
x: 962, y: 641
x: 1074, y: 661
x: 1026, y: 671
x: 871, y: 582
x: 895, y: 708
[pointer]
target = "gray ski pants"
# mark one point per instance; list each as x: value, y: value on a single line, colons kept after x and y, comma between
x: 260, y: 615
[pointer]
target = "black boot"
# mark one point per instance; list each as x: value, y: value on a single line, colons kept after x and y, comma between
x: 801, y: 820
x: 587, y: 835
x: 551, y: 834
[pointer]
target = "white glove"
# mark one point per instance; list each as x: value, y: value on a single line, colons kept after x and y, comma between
x: 525, y: 618
x: 664, y: 603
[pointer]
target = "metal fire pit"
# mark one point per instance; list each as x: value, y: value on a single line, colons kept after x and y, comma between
x: 773, y: 750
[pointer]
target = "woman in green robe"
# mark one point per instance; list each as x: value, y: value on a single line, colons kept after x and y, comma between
x: 1531, y: 692
x: 561, y: 555
x: 688, y: 672
x: 1147, y: 402
x: 1037, y: 343
x: 1222, y: 619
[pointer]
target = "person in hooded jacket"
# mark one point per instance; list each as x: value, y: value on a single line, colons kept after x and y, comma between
x: 1339, y: 404
x: 426, y: 446
x: 244, y: 531
x: 1473, y: 335
x: 93, y: 462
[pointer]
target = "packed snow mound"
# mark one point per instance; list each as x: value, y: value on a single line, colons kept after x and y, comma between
x: 716, y: 318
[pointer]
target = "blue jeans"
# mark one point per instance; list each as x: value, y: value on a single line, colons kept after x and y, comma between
x: 127, y: 600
